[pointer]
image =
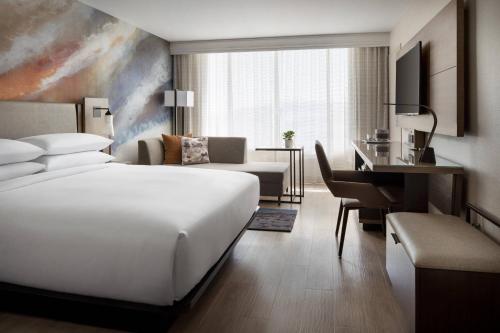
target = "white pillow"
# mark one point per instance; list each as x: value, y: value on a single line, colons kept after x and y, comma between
x: 12, y: 151
x: 14, y: 170
x: 68, y: 143
x: 57, y: 162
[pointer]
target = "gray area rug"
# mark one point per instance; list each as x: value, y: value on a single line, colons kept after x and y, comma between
x: 274, y: 219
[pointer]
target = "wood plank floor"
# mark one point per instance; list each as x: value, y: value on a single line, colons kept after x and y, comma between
x: 285, y: 282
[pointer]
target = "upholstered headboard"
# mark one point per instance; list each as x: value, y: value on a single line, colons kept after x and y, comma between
x: 21, y: 119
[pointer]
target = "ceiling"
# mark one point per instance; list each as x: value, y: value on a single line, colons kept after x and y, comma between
x: 184, y: 20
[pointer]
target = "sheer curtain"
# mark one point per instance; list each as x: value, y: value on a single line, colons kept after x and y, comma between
x: 330, y: 95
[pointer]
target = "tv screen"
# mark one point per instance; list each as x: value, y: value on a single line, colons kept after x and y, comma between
x: 409, y: 81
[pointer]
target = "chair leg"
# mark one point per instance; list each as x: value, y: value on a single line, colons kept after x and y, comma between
x: 339, y: 218
x: 382, y: 219
x: 388, y: 211
x: 342, y: 235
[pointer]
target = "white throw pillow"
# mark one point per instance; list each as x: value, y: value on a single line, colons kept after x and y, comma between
x: 14, y: 170
x: 57, y: 162
x: 12, y: 151
x: 68, y: 143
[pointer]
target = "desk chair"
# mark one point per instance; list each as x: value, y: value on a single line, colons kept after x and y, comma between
x: 356, y: 190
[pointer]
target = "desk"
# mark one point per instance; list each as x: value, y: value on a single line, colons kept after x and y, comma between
x: 394, y: 157
x: 293, y: 170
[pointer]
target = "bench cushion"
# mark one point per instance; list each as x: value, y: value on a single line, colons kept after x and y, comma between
x: 445, y: 242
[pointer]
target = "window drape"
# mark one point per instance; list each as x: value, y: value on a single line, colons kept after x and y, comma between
x: 331, y: 95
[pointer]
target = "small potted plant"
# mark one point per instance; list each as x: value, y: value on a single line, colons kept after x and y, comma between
x: 288, y: 137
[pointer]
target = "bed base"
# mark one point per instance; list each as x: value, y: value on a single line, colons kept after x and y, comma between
x: 130, y: 316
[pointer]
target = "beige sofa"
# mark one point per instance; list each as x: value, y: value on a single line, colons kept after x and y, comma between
x: 226, y: 153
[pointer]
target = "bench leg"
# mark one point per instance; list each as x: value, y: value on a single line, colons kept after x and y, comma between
x: 279, y: 200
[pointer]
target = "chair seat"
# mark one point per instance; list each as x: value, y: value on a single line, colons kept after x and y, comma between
x: 352, y: 203
x: 394, y: 194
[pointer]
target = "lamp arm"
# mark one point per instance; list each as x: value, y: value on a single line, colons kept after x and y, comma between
x: 431, y: 134
x: 434, y: 125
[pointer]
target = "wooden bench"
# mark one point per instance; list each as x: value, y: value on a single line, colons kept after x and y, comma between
x: 444, y: 272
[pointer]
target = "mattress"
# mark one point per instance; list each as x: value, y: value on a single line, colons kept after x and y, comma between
x: 145, y: 234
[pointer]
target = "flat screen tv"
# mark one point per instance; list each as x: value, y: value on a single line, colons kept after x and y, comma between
x: 409, y: 81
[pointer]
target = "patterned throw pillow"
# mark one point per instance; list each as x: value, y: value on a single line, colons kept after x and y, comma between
x: 195, y: 150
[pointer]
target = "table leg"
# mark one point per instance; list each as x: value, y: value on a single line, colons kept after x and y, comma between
x: 301, y: 171
x: 294, y: 175
x: 456, y: 194
x: 416, y: 196
x: 291, y: 176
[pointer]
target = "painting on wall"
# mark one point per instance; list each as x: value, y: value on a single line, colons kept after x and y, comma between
x: 63, y: 50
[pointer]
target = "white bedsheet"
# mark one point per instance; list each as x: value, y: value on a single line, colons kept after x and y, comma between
x: 143, y: 234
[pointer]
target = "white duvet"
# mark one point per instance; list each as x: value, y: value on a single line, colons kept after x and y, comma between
x: 144, y: 234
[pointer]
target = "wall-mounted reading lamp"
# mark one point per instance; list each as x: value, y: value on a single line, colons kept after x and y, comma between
x: 427, y: 155
x: 108, y: 119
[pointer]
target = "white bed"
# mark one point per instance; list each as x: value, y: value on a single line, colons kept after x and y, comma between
x: 140, y: 234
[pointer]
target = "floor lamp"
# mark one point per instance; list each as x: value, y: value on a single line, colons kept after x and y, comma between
x: 178, y: 98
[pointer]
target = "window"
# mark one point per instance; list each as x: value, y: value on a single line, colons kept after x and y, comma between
x: 317, y: 93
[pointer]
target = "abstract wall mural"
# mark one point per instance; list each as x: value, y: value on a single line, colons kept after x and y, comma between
x: 63, y: 50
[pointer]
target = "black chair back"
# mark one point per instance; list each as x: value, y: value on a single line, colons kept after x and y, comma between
x: 324, y: 165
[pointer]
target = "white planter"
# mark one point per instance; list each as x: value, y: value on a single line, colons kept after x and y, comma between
x: 289, y: 143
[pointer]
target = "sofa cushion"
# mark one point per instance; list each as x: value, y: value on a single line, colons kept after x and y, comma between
x: 194, y: 150
x: 227, y: 149
x: 172, y: 148
x: 271, y: 175
x: 251, y: 167
x: 220, y: 150
x: 272, y: 172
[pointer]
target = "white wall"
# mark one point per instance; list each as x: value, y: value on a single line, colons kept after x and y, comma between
x: 479, y: 150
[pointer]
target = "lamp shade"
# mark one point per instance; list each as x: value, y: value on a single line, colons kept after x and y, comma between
x: 108, y: 118
x: 179, y: 98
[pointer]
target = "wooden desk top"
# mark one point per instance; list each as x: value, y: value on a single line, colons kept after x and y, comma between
x: 395, y: 157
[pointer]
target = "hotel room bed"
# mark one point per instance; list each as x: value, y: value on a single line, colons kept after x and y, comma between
x: 140, y: 234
